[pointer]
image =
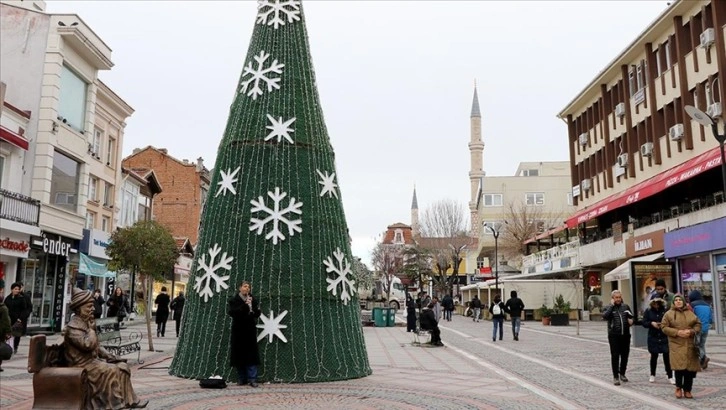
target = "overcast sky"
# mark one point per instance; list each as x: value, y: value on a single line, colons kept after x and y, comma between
x: 395, y: 80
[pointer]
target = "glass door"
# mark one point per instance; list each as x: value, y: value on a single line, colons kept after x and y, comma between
x: 32, y: 275
x: 720, y: 292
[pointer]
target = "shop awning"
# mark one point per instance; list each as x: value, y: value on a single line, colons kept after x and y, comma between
x: 689, y: 169
x: 88, y: 266
x: 13, y: 138
x: 622, y: 272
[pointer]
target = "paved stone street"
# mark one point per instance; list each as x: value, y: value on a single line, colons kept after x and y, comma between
x: 550, y: 367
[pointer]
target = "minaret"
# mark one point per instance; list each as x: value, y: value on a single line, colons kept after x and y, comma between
x: 476, y: 174
x: 414, y: 214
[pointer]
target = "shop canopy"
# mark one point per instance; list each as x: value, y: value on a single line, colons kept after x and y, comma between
x: 689, y: 169
x: 88, y: 266
x: 13, y: 138
x: 622, y: 272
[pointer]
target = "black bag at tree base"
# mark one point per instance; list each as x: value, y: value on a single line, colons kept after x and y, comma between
x: 212, y: 383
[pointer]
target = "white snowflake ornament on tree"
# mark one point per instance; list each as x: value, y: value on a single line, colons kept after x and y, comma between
x: 276, y: 8
x: 276, y: 215
x: 271, y: 327
x: 260, y: 74
x: 328, y: 183
x: 227, y: 182
x: 280, y: 129
x: 202, y: 283
x: 342, y: 271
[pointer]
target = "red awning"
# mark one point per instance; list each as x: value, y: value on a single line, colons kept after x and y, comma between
x: 689, y: 169
x: 13, y: 138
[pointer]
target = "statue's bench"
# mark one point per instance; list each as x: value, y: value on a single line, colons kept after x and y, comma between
x: 110, y: 339
x: 54, y: 385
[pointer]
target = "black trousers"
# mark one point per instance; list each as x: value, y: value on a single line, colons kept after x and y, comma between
x: 411, y: 320
x: 161, y: 328
x: 435, y: 335
x: 178, y: 323
x: 619, y: 352
x: 684, y: 379
x: 666, y: 361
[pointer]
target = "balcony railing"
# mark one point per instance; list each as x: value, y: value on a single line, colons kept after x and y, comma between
x: 567, y: 249
x: 19, y: 208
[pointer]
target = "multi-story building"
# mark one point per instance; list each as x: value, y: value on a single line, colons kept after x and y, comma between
x: 534, y: 200
x: 179, y: 206
x: 50, y: 63
x: 19, y: 214
x: 645, y: 178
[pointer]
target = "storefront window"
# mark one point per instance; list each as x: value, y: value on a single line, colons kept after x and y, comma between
x: 696, y: 275
x: 721, y: 272
x: 39, y: 278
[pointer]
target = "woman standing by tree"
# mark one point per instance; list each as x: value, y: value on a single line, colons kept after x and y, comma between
x: 681, y: 325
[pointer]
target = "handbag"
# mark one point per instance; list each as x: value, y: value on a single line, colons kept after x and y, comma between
x: 6, y: 352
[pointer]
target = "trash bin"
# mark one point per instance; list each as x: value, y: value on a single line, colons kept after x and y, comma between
x: 380, y: 316
x: 640, y: 335
x: 391, y: 317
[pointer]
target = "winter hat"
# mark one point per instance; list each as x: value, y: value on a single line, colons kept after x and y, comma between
x: 678, y: 296
x: 695, y: 295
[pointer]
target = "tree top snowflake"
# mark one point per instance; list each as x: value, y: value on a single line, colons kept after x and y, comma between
x: 275, y: 9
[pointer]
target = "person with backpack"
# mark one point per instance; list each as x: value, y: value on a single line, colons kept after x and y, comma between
x: 514, y: 307
x: 497, y: 311
x: 703, y: 312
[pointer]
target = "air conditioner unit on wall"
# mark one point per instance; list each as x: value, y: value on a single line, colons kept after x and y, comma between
x: 620, y: 110
x: 714, y: 110
x: 623, y: 160
x: 583, y: 139
x: 708, y: 37
x: 676, y: 132
x: 646, y: 149
x: 586, y: 184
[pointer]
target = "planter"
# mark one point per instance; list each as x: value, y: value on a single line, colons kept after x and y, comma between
x: 560, y: 319
x: 546, y: 320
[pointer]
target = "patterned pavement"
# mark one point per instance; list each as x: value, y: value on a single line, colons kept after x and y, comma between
x: 550, y: 367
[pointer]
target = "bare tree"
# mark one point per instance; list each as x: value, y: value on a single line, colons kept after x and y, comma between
x: 388, y: 260
x: 524, y: 222
x: 443, y: 228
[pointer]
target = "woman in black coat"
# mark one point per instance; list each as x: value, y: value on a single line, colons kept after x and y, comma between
x: 118, y: 306
x: 18, y: 309
x: 177, y: 305
x: 657, y: 340
x: 244, y: 310
x: 162, y: 311
x: 410, y: 313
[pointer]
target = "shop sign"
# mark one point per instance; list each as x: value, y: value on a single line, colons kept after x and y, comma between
x: 52, y: 246
x: 693, y: 239
x: 14, y: 248
x: 58, y: 300
x: 644, y: 244
x: 547, y: 265
x: 95, y: 242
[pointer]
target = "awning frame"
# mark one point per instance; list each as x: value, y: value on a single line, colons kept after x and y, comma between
x: 622, y: 271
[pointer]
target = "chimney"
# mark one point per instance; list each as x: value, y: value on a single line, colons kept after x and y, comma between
x: 185, y: 161
x: 136, y: 151
x: 200, y: 164
x: 164, y: 151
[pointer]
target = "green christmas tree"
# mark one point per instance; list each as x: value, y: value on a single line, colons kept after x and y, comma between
x: 274, y: 217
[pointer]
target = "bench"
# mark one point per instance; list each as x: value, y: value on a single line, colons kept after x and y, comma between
x: 420, y: 334
x: 55, y: 386
x: 110, y: 339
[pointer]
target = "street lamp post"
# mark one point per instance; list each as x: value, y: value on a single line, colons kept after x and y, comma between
x: 495, y: 232
x: 708, y: 121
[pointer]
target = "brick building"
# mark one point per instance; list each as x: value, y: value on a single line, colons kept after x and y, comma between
x: 179, y: 206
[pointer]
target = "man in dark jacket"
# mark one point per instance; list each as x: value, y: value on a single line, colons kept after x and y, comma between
x: 476, y: 307
x: 177, y: 305
x: 98, y: 303
x: 514, y: 307
x: 448, y: 304
x: 428, y: 322
x: 620, y: 318
x: 244, y: 356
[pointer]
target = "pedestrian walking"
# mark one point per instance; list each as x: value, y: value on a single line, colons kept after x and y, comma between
x: 620, y: 318
x: 244, y: 356
x: 497, y: 311
x: 681, y: 326
x: 428, y: 322
x: 118, y: 306
x: 177, y: 305
x: 514, y: 307
x: 448, y: 304
x: 98, y: 303
x: 476, y: 305
x: 18, y: 310
x: 437, y: 308
x: 705, y: 316
x: 5, y: 331
x: 657, y: 340
x: 162, y: 311
x: 410, y: 313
